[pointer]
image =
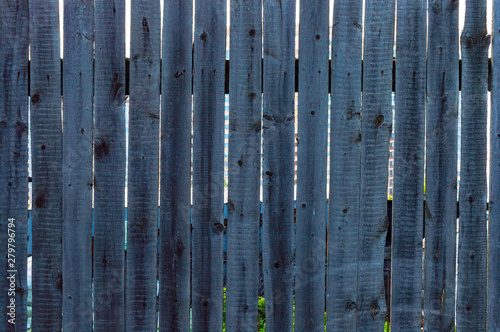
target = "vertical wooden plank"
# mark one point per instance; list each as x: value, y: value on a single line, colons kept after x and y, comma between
x: 376, y: 132
x: 46, y: 142
x: 109, y: 165
x: 472, y: 280
x: 408, y: 218
x: 143, y: 172
x: 77, y: 164
x: 208, y: 163
x: 494, y: 218
x: 278, y: 168
x: 345, y: 165
x: 244, y: 165
x: 441, y: 170
x: 311, y: 167
x: 13, y: 168
x: 175, y: 205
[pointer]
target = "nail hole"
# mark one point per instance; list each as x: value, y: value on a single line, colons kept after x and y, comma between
x: 36, y: 98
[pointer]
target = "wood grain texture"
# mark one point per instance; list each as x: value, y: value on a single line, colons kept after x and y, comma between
x: 441, y: 169
x: 208, y: 164
x: 14, y: 158
x: 46, y: 142
x: 472, y: 282
x: 175, y: 204
x: 143, y: 168
x: 345, y: 165
x: 407, y: 226
x: 376, y: 131
x: 78, y: 81
x: 278, y: 163
x: 244, y: 165
x: 311, y: 168
x: 494, y: 218
x: 109, y: 165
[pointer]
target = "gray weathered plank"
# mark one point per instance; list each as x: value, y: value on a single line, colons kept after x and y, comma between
x: 408, y: 218
x: 345, y: 165
x: 472, y: 283
x: 175, y: 204
x: 109, y: 165
x: 494, y: 218
x: 441, y: 169
x: 46, y: 142
x: 14, y: 155
x: 311, y: 167
x: 244, y: 165
x: 143, y: 169
x: 208, y: 164
x: 376, y: 132
x: 278, y: 164
x: 78, y: 79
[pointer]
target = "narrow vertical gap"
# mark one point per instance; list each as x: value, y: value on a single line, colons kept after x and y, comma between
x: 61, y: 28
x: 93, y: 170
x: 390, y: 177
x: 228, y: 27
x: 425, y: 173
x: 127, y: 27
x: 127, y: 125
x: 363, y: 19
x: 191, y: 143
x: 488, y: 149
x: 296, y: 144
x: 158, y: 239
x: 30, y: 234
x: 459, y: 155
x: 191, y: 193
x: 226, y: 147
x: 261, y: 193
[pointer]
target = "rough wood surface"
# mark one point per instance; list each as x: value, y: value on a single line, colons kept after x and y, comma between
x: 78, y: 81
x: 109, y: 166
x: 208, y: 164
x: 175, y: 204
x: 278, y: 163
x: 143, y: 167
x: 345, y: 165
x: 311, y: 168
x: 14, y: 159
x: 472, y: 282
x: 408, y: 218
x: 376, y: 132
x: 441, y: 169
x: 46, y: 142
x: 244, y: 165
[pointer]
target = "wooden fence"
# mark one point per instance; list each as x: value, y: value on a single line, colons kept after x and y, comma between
x: 322, y: 261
